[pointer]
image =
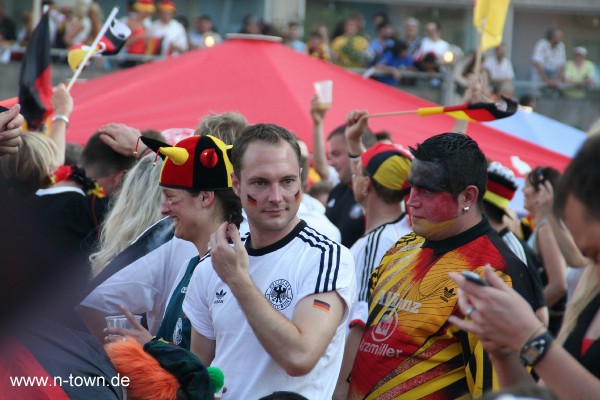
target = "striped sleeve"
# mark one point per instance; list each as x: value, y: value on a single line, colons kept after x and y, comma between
x: 329, y: 263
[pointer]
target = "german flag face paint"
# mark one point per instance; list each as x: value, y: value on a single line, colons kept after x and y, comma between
x: 297, y: 196
x: 251, y: 200
x: 321, y: 305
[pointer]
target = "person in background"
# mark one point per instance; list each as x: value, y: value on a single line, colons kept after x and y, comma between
x: 499, y: 67
x: 292, y: 38
x: 549, y: 59
x: 544, y: 244
x: 383, y: 41
x: 411, y: 36
x: 393, y: 61
x: 204, y: 33
x: 167, y: 35
x: 349, y: 48
x: 581, y: 73
x: 317, y: 46
x: 432, y: 43
x: 501, y: 188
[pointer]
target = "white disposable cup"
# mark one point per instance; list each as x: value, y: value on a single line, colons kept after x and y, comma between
x: 120, y: 321
x: 324, y: 91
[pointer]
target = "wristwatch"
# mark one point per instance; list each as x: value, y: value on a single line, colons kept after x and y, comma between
x: 535, y: 349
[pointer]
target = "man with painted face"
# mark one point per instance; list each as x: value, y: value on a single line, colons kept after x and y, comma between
x: 408, y: 349
x: 270, y: 310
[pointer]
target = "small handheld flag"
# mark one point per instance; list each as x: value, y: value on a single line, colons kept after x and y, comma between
x: 111, y: 43
x: 475, y: 112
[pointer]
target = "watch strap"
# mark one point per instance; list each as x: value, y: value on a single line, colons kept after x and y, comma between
x: 535, y: 349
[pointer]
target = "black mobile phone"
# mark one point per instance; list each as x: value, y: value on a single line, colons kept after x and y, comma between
x: 2, y: 109
x: 475, y: 278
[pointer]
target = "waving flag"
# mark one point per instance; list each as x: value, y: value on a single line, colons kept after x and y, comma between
x: 35, y: 88
x: 111, y: 43
x: 476, y: 112
x: 489, y: 17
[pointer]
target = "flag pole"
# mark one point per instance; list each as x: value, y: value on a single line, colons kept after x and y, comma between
x: 477, y: 68
x: 392, y: 113
x: 93, y: 46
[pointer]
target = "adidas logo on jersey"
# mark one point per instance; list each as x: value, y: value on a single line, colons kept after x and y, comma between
x: 220, y: 294
x: 448, y: 294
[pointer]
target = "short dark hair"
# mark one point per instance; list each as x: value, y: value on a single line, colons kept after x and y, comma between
x: 367, y: 138
x: 581, y: 178
x: 98, y: 153
x: 540, y: 175
x: 462, y: 161
x: 494, y: 214
x: 268, y: 133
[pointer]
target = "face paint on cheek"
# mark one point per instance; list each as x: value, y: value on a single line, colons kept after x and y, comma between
x: 251, y: 200
x: 437, y: 213
x: 297, y: 196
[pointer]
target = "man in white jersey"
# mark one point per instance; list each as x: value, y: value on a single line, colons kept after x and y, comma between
x: 270, y: 311
x: 379, y: 182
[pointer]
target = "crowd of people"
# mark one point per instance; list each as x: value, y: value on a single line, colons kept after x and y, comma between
x: 410, y: 277
x: 361, y: 270
x: 390, y: 50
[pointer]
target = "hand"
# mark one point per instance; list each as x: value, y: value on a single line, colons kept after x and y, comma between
x: 121, y: 138
x: 356, y: 124
x: 61, y: 101
x: 10, y: 130
x: 501, y: 318
x: 545, y: 198
x: 230, y: 263
x: 316, y: 111
x: 139, y: 333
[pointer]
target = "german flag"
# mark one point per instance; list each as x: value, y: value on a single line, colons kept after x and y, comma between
x: 475, y: 112
x: 35, y: 88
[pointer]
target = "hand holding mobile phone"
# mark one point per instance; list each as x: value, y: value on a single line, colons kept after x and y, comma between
x: 475, y: 278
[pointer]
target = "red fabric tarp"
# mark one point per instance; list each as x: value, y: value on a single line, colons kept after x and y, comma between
x: 268, y: 82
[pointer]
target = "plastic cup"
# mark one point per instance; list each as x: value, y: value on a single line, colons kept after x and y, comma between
x: 324, y: 91
x: 120, y: 321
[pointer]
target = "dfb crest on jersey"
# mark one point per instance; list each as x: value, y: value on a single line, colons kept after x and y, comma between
x: 280, y: 294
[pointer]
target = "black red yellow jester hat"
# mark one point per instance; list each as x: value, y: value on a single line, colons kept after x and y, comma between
x: 196, y: 163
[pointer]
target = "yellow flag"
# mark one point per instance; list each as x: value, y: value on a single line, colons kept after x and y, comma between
x: 490, y: 15
x: 77, y: 53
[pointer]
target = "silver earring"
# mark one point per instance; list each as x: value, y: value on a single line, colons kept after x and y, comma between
x: 466, y: 209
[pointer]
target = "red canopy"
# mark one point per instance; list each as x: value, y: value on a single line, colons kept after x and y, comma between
x: 268, y: 82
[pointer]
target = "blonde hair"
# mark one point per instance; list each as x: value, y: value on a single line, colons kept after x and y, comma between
x: 31, y: 167
x: 227, y: 126
x: 586, y: 290
x: 133, y: 208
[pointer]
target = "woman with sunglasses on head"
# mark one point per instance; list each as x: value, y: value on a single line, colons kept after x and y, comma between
x: 544, y: 244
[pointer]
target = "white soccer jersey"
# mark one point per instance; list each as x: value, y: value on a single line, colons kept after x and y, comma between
x: 301, y: 264
x: 368, y: 252
x: 145, y: 284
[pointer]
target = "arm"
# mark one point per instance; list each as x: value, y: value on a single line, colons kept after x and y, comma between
x: 502, y: 318
x: 202, y: 347
x: 352, y: 343
x: 554, y: 264
x: 356, y: 124
x: 122, y: 139
x: 319, y: 154
x: 10, y: 130
x: 295, y: 345
x: 62, y: 103
x: 566, y: 244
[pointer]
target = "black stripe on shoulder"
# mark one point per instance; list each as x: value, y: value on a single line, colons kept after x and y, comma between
x: 330, y: 258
